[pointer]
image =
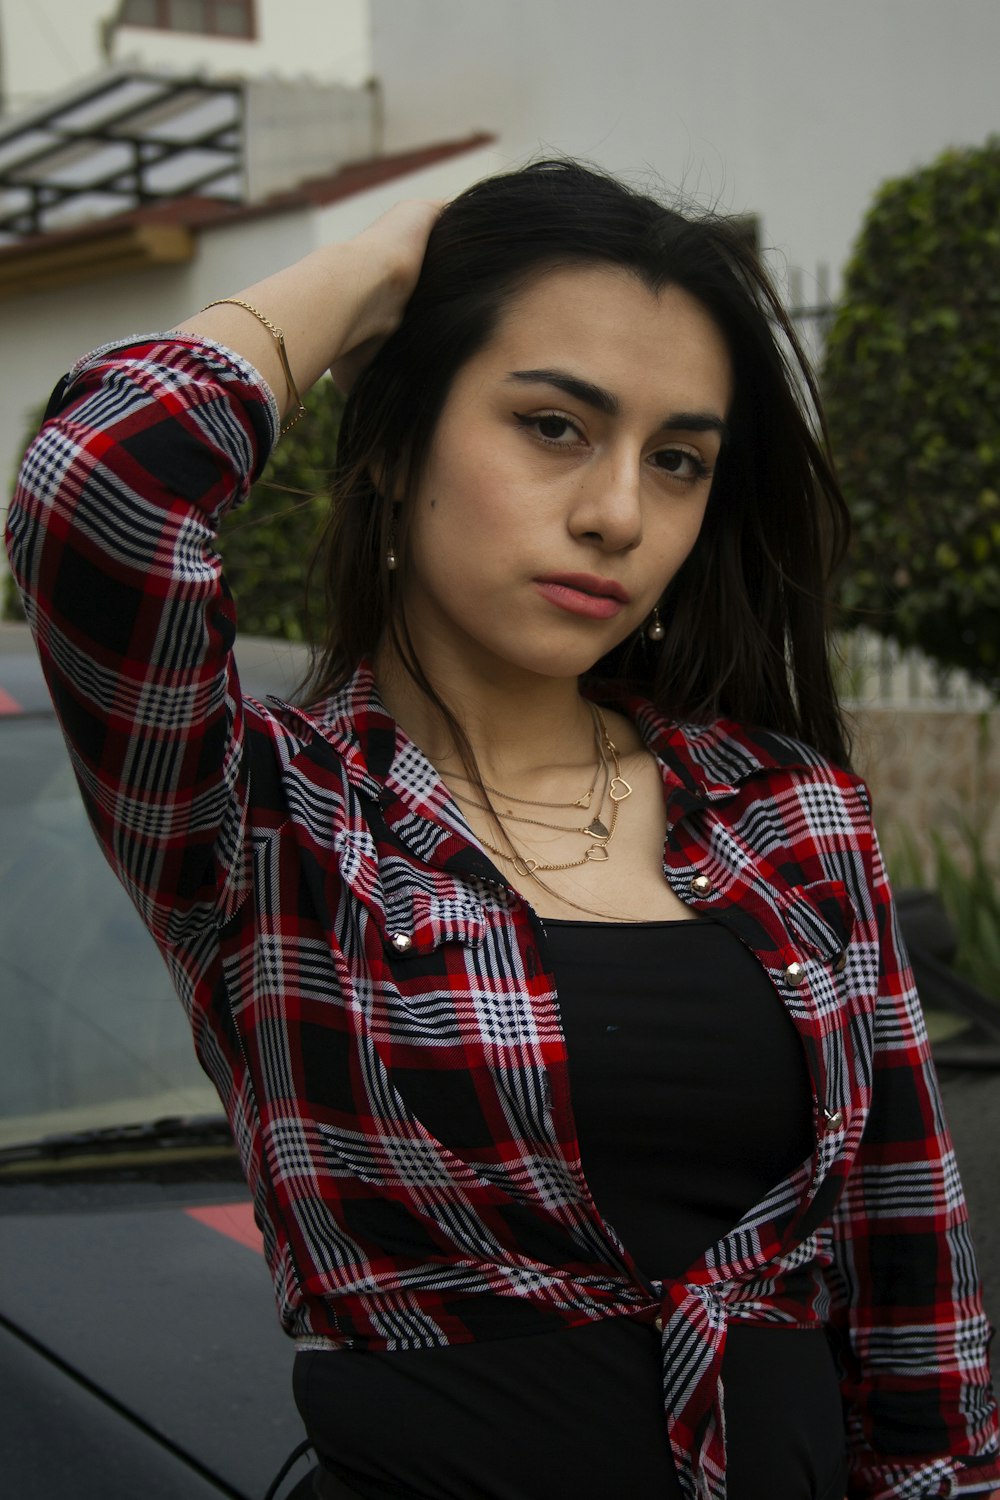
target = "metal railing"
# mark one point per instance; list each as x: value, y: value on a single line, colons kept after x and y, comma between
x: 873, y: 672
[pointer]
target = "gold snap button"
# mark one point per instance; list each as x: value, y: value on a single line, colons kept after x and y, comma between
x: 401, y: 941
x: 840, y: 962
x: 795, y: 973
x: 834, y: 1118
x: 702, y: 886
x: 658, y: 1324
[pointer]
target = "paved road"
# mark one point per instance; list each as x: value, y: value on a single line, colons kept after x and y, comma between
x: 972, y: 1104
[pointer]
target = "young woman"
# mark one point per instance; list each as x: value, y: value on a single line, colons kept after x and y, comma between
x: 543, y: 958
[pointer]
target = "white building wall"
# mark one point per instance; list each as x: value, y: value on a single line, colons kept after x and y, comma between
x: 298, y: 130
x: 792, y: 109
x: 326, y: 41
x: 48, y: 45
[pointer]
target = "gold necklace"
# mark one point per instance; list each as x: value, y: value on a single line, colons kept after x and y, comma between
x: 595, y: 828
x: 583, y: 801
x: 617, y: 789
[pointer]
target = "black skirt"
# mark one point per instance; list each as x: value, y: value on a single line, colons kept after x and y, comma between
x: 577, y: 1413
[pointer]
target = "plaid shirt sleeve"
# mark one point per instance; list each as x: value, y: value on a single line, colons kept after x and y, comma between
x: 111, y: 539
x: 904, y: 1285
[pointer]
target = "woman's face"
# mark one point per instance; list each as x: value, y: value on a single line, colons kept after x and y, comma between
x: 567, y: 478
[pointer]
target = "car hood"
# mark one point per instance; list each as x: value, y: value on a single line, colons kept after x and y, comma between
x: 157, y: 1298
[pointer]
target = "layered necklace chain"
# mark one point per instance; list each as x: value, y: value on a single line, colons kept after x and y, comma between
x: 598, y: 832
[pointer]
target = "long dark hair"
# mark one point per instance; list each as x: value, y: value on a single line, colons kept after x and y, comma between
x: 746, y: 616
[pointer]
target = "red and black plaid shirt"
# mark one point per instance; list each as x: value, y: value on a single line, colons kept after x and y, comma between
x: 356, y: 970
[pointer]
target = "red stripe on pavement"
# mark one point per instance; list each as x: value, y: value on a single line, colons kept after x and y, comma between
x: 232, y: 1219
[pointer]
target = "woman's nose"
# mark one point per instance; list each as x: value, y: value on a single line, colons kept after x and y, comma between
x: 608, y: 505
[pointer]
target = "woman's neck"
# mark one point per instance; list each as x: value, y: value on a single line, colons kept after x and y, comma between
x: 521, y: 726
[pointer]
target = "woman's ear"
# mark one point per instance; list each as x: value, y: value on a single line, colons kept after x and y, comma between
x: 383, y: 484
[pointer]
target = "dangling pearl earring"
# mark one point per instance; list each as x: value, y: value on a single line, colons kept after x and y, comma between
x: 390, y: 558
x: 655, y: 630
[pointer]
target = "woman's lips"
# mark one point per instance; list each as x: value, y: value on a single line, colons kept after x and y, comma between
x: 583, y: 594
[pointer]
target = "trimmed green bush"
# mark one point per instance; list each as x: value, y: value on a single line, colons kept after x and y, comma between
x: 912, y: 386
x: 267, y: 544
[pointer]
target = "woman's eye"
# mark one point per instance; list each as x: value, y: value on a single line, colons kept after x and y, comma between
x: 683, y: 464
x: 551, y: 428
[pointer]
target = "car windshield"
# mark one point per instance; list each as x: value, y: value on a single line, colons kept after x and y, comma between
x: 93, y: 1033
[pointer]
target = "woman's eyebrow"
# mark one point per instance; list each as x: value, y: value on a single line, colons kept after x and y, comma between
x: 582, y: 390
x: 607, y: 402
x: 697, y: 421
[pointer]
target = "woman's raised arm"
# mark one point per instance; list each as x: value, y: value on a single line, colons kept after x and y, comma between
x: 334, y: 307
x: 111, y: 534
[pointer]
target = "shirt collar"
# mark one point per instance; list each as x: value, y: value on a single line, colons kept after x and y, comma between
x: 704, y: 761
x: 708, y: 761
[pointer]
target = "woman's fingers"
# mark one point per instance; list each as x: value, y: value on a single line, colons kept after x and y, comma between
x: 402, y: 234
x: 397, y: 241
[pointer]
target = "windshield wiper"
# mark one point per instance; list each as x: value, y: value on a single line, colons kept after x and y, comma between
x: 173, y: 1137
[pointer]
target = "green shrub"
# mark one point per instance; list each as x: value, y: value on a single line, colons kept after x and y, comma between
x: 267, y: 545
x: 912, y: 386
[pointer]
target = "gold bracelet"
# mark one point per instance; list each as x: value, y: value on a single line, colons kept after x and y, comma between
x: 279, y: 339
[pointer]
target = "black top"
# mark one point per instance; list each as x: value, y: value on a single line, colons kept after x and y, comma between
x: 688, y: 1081
x: 691, y: 1099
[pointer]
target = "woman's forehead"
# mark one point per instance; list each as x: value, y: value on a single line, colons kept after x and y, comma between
x: 607, y: 326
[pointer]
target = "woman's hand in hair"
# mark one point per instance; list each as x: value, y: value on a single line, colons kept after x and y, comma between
x: 335, y: 307
x: 395, y: 243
